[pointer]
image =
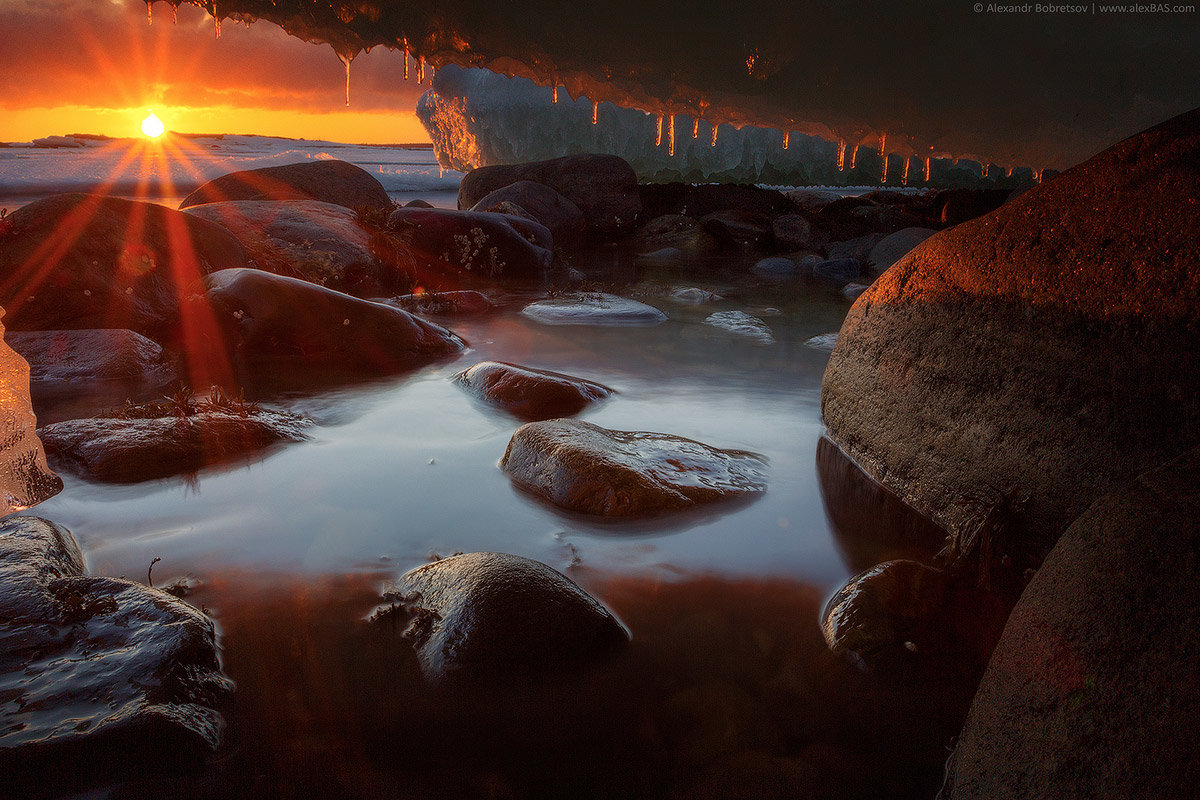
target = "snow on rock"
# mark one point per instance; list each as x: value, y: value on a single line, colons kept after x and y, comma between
x: 742, y: 325
x: 593, y: 308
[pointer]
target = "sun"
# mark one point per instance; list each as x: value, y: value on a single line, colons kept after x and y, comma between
x: 152, y: 126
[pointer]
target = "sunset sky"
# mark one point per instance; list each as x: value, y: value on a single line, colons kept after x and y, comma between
x: 96, y: 66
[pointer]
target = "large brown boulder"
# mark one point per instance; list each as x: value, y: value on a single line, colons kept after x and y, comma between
x: 328, y: 180
x: 539, y: 203
x: 530, y: 394
x: 1092, y: 690
x: 603, y: 187
x: 1030, y: 361
x: 87, y: 261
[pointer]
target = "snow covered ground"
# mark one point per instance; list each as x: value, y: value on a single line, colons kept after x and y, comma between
x: 167, y: 170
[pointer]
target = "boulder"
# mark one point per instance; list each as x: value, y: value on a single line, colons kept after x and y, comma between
x: 530, y: 394
x: 86, y: 261
x: 778, y: 268
x: 25, y: 479
x: 603, y: 187
x: 541, y: 204
x: 895, y: 246
x: 675, y: 231
x: 1014, y: 356
x: 587, y: 469
x: 271, y: 320
x: 792, y: 232
x: 838, y: 270
x: 1092, y: 689
x: 328, y: 180
x: 462, y: 302
x: 484, y: 617
x: 86, y: 356
x: 812, y: 199
x: 858, y: 248
x: 594, y: 308
x: 317, y: 242
x: 741, y: 325
x: 159, y: 440
x: 474, y: 245
x: 738, y: 230
x: 89, y: 664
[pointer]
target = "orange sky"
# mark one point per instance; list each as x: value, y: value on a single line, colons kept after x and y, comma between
x: 96, y: 66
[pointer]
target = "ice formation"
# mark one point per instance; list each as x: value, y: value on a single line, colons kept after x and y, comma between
x: 477, y: 118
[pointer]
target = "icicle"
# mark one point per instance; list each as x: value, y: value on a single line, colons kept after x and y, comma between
x: 927, y: 160
x: 554, y: 94
x: 854, y: 158
x: 841, y: 158
x: 432, y: 73
x: 216, y: 19
x: 420, y: 69
x: 714, y: 139
x: 787, y: 137
x: 595, y: 112
x: 696, y: 128
x: 149, y: 12
x: 404, y: 44
x: 658, y: 132
x: 671, y: 135
x: 174, y: 15
x: 1008, y: 172
x: 1037, y: 175
x: 883, y: 155
x: 346, y: 61
x: 904, y: 174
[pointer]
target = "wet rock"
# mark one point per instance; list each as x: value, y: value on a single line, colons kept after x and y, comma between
x: 694, y: 296
x: 530, y: 394
x: 58, y: 358
x: 603, y: 187
x: 1015, y: 354
x: 317, y: 242
x: 463, y: 302
x: 858, y: 248
x: 741, y: 325
x: 1091, y: 691
x: 895, y: 246
x: 101, y: 275
x: 792, y: 232
x: 328, y: 180
x: 676, y: 231
x: 838, y: 270
x: 270, y: 321
x: 89, y: 663
x: 852, y: 291
x: 739, y: 230
x: 780, y: 268
x: 475, y: 245
x: 148, y: 442
x: 591, y: 470
x: 822, y: 341
x: 594, y: 308
x: 25, y: 479
x: 492, y: 616
x: 541, y: 204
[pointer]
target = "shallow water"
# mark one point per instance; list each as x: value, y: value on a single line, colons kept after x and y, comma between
x: 727, y: 683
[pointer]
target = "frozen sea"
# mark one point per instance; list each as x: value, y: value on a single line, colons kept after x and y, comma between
x: 167, y: 170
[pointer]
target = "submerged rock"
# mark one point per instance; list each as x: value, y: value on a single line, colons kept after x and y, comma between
x: 123, y: 264
x: 97, y: 662
x: 141, y: 443
x: 591, y: 470
x: 822, y: 341
x: 475, y: 245
x: 327, y: 180
x: 593, y: 308
x: 530, y: 394
x: 270, y: 319
x: 1092, y: 689
x: 540, y: 203
x: 490, y: 616
x: 693, y: 295
x: 462, y: 302
x: 1020, y: 351
x: 85, y: 356
x: 314, y: 241
x: 741, y: 325
x: 603, y: 187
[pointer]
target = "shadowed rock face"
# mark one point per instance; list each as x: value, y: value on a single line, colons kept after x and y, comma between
x: 1092, y: 690
x: 475, y: 246
x: 89, y: 662
x: 86, y: 261
x: 996, y: 87
x: 530, y: 394
x: 329, y: 181
x: 591, y: 470
x: 1046, y: 350
x: 490, y: 616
